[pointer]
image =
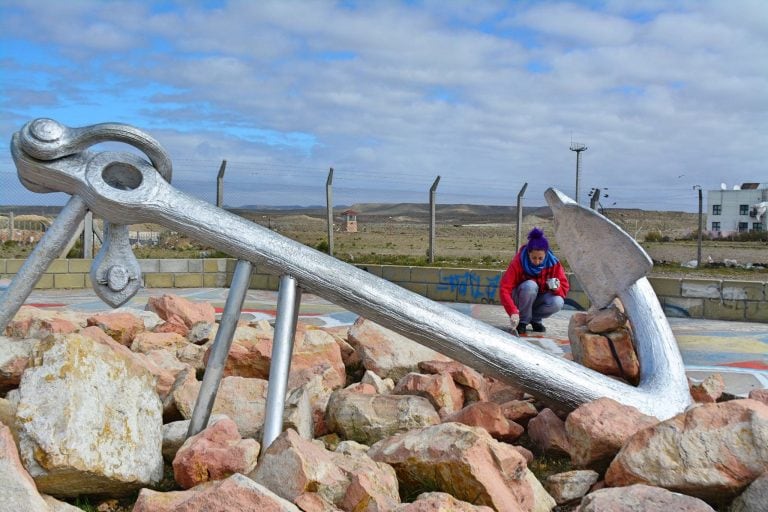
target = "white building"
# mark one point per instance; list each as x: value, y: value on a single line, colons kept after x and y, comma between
x: 735, y: 211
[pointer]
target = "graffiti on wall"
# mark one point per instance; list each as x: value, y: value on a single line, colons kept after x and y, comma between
x: 470, y: 285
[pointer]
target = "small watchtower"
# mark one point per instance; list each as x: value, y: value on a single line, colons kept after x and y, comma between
x: 350, y: 221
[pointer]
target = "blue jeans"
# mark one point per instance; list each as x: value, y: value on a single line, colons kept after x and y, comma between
x: 535, y: 306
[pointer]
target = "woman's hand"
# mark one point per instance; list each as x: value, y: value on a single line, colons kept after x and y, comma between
x: 513, y: 321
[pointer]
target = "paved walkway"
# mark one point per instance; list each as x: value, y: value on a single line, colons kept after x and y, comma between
x: 736, y: 350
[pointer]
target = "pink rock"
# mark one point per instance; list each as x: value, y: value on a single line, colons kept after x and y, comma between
x: 313, y: 502
x: 487, y: 415
x: 17, y: 488
x: 121, y: 327
x: 14, y: 358
x: 597, y: 430
x: 640, y: 497
x: 519, y: 411
x: 147, y: 341
x: 761, y: 395
x: 439, y: 502
x: 547, y: 432
x: 501, y: 392
x: 293, y: 466
x: 708, y: 390
x: 32, y: 322
x: 712, y: 451
x: 250, y: 354
x: 181, y: 315
x: 607, y: 319
x: 629, y: 369
x: 237, y: 492
x: 439, y: 389
x: 462, y: 460
x: 214, y: 454
x: 471, y: 382
x: 316, y: 353
x: 386, y: 353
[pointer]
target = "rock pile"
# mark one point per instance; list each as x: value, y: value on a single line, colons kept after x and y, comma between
x: 97, y: 407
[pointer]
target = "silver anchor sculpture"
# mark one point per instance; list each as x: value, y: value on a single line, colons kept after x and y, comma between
x: 124, y: 188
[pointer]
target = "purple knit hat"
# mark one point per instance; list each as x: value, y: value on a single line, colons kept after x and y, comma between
x: 537, y: 241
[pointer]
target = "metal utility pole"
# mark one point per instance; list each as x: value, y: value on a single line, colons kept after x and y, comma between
x: 220, y: 184
x: 578, y: 148
x: 701, y: 228
x: 520, y: 215
x: 329, y: 209
x: 432, y: 192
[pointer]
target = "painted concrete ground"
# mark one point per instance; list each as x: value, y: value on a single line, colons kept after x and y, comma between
x: 736, y: 350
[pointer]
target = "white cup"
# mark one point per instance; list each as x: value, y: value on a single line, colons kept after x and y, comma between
x: 553, y: 283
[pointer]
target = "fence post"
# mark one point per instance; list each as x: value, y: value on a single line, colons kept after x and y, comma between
x: 10, y: 226
x: 220, y: 184
x: 520, y: 215
x: 329, y: 209
x: 432, y: 192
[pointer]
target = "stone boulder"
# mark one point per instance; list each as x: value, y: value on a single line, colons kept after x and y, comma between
x: 237, y: 492
x: 14, y: 357
x: 571, y: 485
x: 89, y: 419
x: 175, y: 433
x: 293, y: 467
x: 367, y: 418
x: 17, y: 489
x: 121, y: 327
x: 461, y: 460
x: 439, y: 502
x: 754, y: 498
x: 214, y: 454
x: 194, y: 320
x: 440, y: 389
x: 471, y: 382
x: 709, y: 390
x: 32, y: 322
x: 489, y: 416
x: 641, y: 498
x: 597, y: 430
x: 243, y: 400
x: 711, y: 451
x: 547, y: 433
x: 386, y: 353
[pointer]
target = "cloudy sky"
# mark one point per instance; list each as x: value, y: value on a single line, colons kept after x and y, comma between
x: 488, y: 95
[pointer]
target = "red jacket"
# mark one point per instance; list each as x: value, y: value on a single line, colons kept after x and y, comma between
x: 516, y: 275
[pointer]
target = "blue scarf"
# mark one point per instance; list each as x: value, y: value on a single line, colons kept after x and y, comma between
x: 550, y: 260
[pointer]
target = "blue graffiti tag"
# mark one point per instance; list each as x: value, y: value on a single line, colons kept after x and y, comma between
x: 471, y: 283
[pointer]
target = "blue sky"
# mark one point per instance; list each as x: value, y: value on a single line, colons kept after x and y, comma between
x: 488, y: 95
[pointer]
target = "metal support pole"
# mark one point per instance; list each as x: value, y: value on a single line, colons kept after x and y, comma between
x: 88, y: 236
x: 520, y: 215
x: 220, y: 350
x: 47, y: 249
x: 11, y: 226
x: 432, y: 192
x: 329, y: 208
x: 288, y: 299
x: 701, y: 228
x: 220, y: 184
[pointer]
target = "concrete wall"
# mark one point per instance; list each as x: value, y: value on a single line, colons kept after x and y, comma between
x: 694, y: 298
